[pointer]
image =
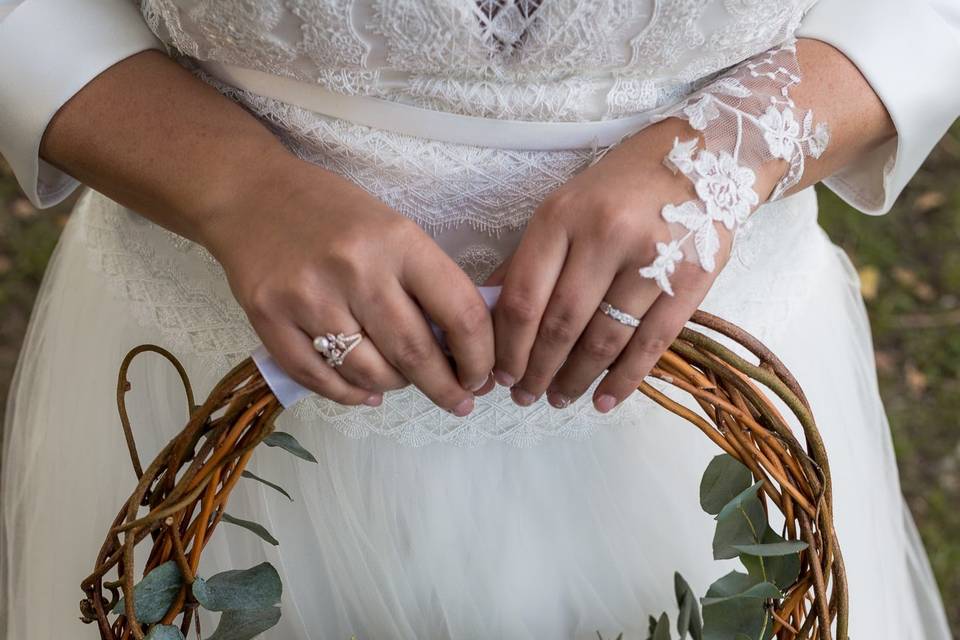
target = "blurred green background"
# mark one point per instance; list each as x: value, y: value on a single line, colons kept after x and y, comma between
x: 909, y: 264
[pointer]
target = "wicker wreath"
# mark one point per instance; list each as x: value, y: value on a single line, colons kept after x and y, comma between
x: 185, y: 489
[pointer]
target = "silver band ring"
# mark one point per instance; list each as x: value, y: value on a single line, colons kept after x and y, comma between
x: 336, y: 348
x: 620, y: 316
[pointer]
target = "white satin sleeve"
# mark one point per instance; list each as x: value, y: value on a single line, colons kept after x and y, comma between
x: 909, y: 52
x: 49, y: 50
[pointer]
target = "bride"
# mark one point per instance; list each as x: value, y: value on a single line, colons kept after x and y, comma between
x: 281, y: 170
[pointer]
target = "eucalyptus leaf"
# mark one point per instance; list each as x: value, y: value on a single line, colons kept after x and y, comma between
x: 153, y: 595
x: 780, y: 570
x: 735, y: 604
x: 688, y: 620
x: 276, y: 487
x: 251, y: 526
x: 662, y: 631
x: 723, y: 480
x: 651, y: 627
x: 742, y: 521
x: 737, y: 618
x: 254, y: 588
x: 164, y: 632
x: 288, y: 443
x: 245, y: 624
x: 772, y: 549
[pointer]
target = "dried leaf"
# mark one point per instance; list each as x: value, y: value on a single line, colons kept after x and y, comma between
x: 869, y: 282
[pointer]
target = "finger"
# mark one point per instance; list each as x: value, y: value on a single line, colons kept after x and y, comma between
x: 585, y: 278
x: 293, y: 350
x: 527, y: 286
x: 660, y: 327
x: 496, y: 278
x: 603, y: 339
x: 452, y: 302
x: 364, y: 366
x: 397, y: 326
x: 487, y: 387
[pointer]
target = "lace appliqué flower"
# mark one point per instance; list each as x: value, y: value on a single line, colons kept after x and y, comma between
x: 746, y: 120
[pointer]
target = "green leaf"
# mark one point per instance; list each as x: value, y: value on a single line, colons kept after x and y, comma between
x: 688, y: 620
x: 735, y: 604
x: 780, y: 570
x: 287, y: 442
x: 253, y: 476
x: 254, y: 588
x: 662, y: 631
x: 164, y: 632
x: 724, y: 478
x: 762, y: 591
x: 251, y: 526
x: 245, y: 624
x: 767, y: 550
x: 155, y: 593
x: 651, y: 627
x: 741, y: 521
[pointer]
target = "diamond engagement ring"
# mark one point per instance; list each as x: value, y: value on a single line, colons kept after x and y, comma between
x: 335, y: 348
x: 620, y: 316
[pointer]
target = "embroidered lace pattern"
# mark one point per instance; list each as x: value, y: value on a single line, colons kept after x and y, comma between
x: 561, y: 60
x: 745, y: 119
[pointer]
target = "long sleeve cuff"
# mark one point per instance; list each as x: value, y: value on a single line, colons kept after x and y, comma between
x: 49, y: 50
x: 909, y: 52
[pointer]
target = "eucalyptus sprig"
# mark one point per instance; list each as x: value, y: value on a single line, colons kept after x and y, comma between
x: 792, y: 589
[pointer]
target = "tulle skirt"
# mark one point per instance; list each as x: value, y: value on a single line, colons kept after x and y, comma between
x: 386, y: 541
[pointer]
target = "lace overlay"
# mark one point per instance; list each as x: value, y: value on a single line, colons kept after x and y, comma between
x: 517, y: 59
x: 561, y: 60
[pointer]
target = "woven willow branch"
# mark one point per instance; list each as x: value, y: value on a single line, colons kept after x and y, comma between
x: 185, y: 489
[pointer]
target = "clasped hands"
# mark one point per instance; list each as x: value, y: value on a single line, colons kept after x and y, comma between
x: 331, y: 258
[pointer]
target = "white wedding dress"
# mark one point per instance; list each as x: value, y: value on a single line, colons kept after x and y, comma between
x: 512, y: 523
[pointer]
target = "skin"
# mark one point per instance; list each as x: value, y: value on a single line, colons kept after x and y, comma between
x: 587, y: 240
x: 151, y: 136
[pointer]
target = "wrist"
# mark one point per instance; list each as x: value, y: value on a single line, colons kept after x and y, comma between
x: 244, y: 195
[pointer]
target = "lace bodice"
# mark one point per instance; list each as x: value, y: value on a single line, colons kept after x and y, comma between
x: 550, y: 60
x: 516, y: 59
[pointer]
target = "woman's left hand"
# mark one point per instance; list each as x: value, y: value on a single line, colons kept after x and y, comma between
x: 583, y: 246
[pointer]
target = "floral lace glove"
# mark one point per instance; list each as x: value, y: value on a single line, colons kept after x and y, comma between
x: 746, y: 119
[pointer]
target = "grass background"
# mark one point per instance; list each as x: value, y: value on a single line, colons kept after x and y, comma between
x: 909, y: 264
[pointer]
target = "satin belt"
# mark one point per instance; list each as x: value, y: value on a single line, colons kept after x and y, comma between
x: 430, y: 124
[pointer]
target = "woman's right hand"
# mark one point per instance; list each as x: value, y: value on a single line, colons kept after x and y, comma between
x: 308, y: 253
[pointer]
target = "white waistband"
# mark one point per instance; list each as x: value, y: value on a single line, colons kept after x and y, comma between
x: 430, y: 124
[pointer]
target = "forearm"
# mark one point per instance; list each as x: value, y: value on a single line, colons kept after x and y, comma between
x: 150, y: 135
x: 840, y: 96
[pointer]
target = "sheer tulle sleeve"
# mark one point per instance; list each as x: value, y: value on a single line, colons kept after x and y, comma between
x: 49, y: 50
x: 909, y: 52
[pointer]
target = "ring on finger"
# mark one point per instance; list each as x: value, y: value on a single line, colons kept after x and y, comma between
x: 619, y: 315
x: 336, y: 348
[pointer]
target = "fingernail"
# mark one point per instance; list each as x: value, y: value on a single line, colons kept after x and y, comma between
x: 605, y: 403
x: 374, y: 400
x: 558, y: 400
x: 503, y: 378
x: 476, y: 386
x: 522, y: 398
x: 464, y: 408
